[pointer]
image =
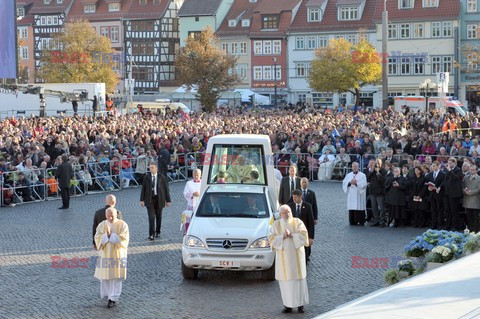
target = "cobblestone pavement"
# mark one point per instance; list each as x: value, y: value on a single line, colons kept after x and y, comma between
x: 30, y: 288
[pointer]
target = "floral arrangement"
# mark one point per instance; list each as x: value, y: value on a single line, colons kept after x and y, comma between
x: 473, y: 243
x: 422, y: 244
x: 442, y: 254
x: 392, y: 276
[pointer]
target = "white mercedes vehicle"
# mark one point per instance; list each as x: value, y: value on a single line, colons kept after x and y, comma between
x: 229, y: 226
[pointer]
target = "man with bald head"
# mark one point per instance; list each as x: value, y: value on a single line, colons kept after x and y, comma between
x: 100, y: 216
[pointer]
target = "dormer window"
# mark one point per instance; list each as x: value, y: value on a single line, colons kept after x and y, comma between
x: 313, y: 14
x: 252, y: 1
x: 430, y: 3
x: 348, y: 13
x: 245, y: 22
x: 89, y: 8
x: 20, y: 12
x: 46, y: 1
x: 115, y: 6
x: 405, y: 4
x: 270, y: 22
x: 232, y: 23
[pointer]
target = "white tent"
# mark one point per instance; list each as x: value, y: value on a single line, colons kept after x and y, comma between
x: 258, y: 98
x: 245, y: 94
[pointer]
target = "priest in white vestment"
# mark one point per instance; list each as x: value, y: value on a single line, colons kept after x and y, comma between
x: 191, y: 193
x: 111, y: 240
x: 288, y: 236
x: 355, y: 186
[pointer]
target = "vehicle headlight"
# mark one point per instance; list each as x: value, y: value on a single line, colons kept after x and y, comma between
x: 261, y: 243
x: 192, y: 241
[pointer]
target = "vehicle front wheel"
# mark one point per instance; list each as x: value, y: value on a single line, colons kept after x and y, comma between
x: 269, y: 274
x: 189, y: 273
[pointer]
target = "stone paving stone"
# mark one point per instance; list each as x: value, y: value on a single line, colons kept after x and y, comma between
x: 31, y: 288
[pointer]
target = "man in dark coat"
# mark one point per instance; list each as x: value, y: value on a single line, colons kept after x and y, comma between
x: 452, y: 186
x: 64, y: 175
x: 163, y: 160
x: 309, y: 196
x: 288, y: 185
x: 434, y: 180
x: 100, y: 216
x: 155, y: 195
x: 303, y: 210
x: 376, y: 188
x: 396, y: 188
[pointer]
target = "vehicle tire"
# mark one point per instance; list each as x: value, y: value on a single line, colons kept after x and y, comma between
x: 269, y: 274
x: 189, y: 273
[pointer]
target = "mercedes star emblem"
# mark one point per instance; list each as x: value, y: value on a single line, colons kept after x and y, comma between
x: 227, y: 244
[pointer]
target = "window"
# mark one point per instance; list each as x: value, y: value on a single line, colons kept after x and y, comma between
x: 142, y: 2
x: 405, y: 4
x: 257, y: 73
x: 243, y: 48
x: 270, y: 22
x: 115, y: 6
x: 156, y: 1
x: 472, y: 5
x: 104, y: 32
x: 59, y: 1
x: 436, y: 65
x: 472, y: 62
x: 46, y: 1
x: 405, y: 30
x: 225, y: 47
x: 232, y: 23
x: 313, y: 14
x: 197, y: 19
x: 114, y: 34
x: 472, y: 31
x: 430, y: 3
x: 55, y: 20
x: 230, y: 205
x: 141, y: 74
x: 279, y: 73
x: 49, y: 20
x: 392, y: 66
x: 267, y: 72
x: 20, y: 12
x: 447, y: 29
x: 89, y: 8
x: 436, y: 26
x: 312, y: 42
x: 418, y: 30
x: 24, y: 53
x: 142, y: 48
x: 234, y: 48
x: 277, y: 47
x: 43, y: 21
x: 405, y: 66
x: 352, y: 38
x: 418, y: 64
x: 322, y: 41
x: 347, y: 13
x: 392, y: 31
x: 299, y: 42
x: 23, y: 32
x: 245, y: 22
x: 143, y: 25
x: 447, y: 64
x: 257, y: 47
x: 267, y: 47
x: 300, y: 69
x: 242, y: 71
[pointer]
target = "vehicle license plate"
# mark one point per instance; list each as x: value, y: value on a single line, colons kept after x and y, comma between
x: 226, y: 263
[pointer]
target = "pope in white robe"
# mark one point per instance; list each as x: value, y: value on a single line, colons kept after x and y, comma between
x: 111, y: 239
x: 239, y: 171
x: 355, y: 186
x: 288, y: 237
x: 191, y: 193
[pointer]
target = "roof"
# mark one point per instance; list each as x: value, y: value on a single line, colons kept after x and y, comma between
x: 445, y: 9
x: 315, y: 3
x: 238, y: 7
x: 236, y: 188
x: 199, y: 8
x: 148, y: 11
x: 28, y: 18
x: 241, y: 139
x: 346, y: 2
x: 276, y: 6
x: 39, y: 7
x: 329, y: 20
x: 101, y: 11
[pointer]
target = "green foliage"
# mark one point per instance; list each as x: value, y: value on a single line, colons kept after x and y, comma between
x: 473, y: 244
x: 393, y: 276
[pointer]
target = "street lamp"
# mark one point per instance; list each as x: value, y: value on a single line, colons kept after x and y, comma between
x: 275, y: 79
x: 427, y: 88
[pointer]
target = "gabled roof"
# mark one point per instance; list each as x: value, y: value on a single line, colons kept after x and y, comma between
x: 347, y: 2
x: 39, y: 7
x: 330, y: 21
x: 238, y: 7
x: 445, y: 9
x: 101, y: 10
x: 192, y: 8
x: 275, y: 6
x: 27, y: 6
x: 148, y: 11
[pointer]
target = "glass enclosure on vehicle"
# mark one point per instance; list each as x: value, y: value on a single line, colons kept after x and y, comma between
x: 236, y: 164
x: 243, y: 205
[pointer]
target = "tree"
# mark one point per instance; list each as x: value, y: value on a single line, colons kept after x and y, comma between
x: 77, y: 55
x: 342, y: 67
x: 202, y: 65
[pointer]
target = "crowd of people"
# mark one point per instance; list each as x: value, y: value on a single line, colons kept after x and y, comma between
x: 115, y: 151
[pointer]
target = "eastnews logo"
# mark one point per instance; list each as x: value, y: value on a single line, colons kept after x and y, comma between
x: 88, y: 262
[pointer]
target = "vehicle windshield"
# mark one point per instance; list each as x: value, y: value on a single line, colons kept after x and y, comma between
x: 237, y: 164
x: 233, y: 205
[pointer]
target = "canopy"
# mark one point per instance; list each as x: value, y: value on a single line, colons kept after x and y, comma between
x: 258, y: 98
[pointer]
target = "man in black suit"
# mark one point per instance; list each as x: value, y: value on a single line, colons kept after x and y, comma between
x: 452, y: 186
x: 155, y: 195
x: 163, y: 160
x: 303, y: 210
x: 309, y: 196
x: 100, y: 216
x: 288, y: 185
x: 434, y: 181
x: 64, y: 175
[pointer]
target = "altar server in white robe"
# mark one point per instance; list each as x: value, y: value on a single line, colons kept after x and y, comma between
x: 355, y: 186
x: 191, y: 193
x: 288, y: 236
x: 111, y: 240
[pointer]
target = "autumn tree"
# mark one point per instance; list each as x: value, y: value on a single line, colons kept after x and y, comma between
x: 203, y: 66
x: 343, y: 67
x: 78, y: 55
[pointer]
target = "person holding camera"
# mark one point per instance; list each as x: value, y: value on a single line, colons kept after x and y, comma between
x: 376, y: 187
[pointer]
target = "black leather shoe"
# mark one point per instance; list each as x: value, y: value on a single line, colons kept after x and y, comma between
x: 157, y: 235
x: 300, y: 309
x: 110, y: 303
x: 62, y: 207
x: 151, y: 237
x: 286, y: 309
